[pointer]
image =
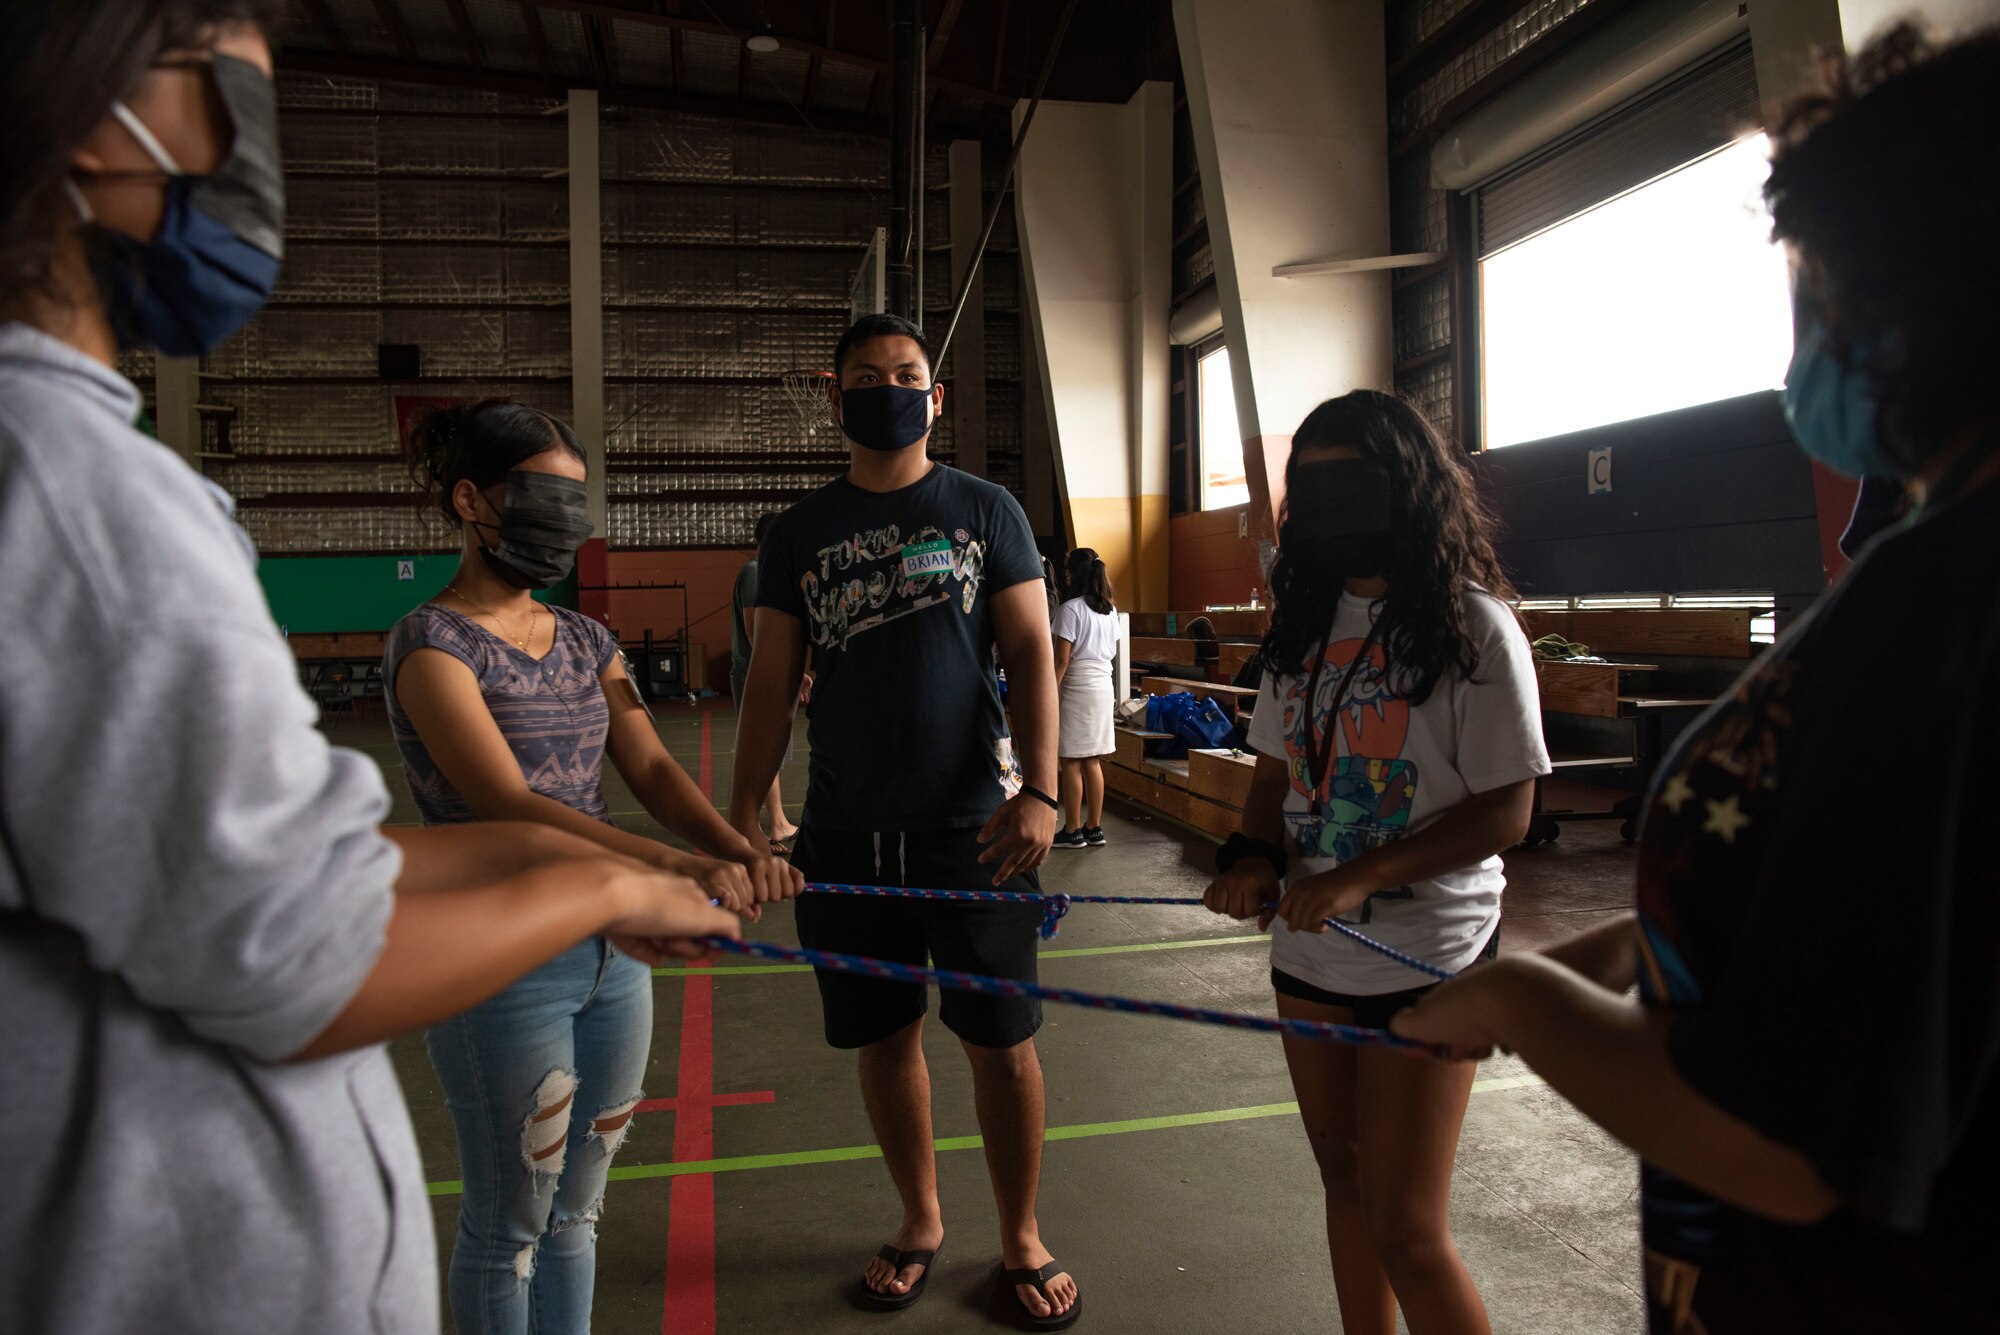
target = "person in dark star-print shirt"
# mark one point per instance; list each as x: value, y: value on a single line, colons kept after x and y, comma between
x: 1810, y: 1072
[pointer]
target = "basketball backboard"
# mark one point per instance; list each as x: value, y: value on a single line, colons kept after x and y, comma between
x: 869, y: 294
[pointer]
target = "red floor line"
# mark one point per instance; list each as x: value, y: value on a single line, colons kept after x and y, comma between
x: 690, y: 1300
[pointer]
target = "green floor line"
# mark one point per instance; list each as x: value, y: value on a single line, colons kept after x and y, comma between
x: 745, y: 970
x: 1082, y: 1131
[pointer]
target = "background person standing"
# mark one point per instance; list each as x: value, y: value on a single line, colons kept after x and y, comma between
x: 1086, y: 644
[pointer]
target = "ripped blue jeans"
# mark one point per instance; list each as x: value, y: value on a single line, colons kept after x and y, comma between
x: 541, y: 1082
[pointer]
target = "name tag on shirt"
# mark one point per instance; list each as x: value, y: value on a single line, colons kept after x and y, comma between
x: 926, y: 558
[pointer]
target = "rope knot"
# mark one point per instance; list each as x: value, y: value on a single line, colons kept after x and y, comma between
x: 1054, y: 909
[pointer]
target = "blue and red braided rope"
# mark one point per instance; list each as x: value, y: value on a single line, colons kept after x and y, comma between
x: 1008, y: 987
x: 1056, y: 907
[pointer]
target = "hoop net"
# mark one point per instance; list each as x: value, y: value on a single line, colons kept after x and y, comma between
x: 805, y: 391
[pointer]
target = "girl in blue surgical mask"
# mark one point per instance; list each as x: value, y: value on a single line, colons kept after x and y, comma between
x: 1818, y: 859
x: 505, y: 708
x: 206, y: 937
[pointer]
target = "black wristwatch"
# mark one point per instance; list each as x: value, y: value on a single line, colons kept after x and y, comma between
x: 1028, y: 790
x: 1238, y: 847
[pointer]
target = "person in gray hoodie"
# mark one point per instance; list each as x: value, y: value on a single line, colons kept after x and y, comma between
x: 205, y: 937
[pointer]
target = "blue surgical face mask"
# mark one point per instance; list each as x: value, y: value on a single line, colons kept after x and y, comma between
x: 215, y: 260
x: 1833, y: 411
x: 885, y: 417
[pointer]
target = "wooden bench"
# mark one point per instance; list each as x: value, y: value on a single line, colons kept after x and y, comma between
x: 1163, y: 649
x: 1682, y: 632
x: 339, y: 646
x: 1626, y: 690
x: 1230, y: 657
x: 1596, y: 690
x: 1232, y: 624
x: 1221, y: 776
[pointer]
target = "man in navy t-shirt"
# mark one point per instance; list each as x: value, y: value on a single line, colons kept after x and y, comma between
x: 902, y: 578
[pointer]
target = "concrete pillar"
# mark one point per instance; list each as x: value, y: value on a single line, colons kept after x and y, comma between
x: 1094, y: 203
x: 586, y: 338
x: 967, y: 396
x: 586, y: 293
x: 176, y: 390
x: 1289, y: 107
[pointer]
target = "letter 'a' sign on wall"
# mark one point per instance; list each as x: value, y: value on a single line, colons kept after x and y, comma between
x: 406, y: 569
x: 1599, y: 472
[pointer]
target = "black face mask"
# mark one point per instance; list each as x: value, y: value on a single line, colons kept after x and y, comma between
x: 885, y: 417
x: 544, y: 520
x: 1337, y: 518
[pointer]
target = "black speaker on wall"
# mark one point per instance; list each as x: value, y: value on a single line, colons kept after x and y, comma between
x: 398, y: 361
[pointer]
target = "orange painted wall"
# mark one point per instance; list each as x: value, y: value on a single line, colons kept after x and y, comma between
x: 710, y: 576
x: 1207, y: 563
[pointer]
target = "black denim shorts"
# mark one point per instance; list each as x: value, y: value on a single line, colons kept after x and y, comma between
x: 999, y: 940
x: 1369, y: 1012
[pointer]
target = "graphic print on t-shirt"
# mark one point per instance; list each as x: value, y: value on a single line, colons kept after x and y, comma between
x: 866, y: 581
x: 1706, y: 823
x: 1370, y: 789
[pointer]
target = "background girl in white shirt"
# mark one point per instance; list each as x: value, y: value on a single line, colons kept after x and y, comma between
x: 1086, y: 642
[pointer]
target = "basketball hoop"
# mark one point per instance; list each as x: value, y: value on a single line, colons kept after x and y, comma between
x: 806, y: 392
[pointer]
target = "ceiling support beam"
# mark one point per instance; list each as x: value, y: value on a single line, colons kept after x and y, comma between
x: 469, y: 35
x: 600, y: 9
x: 941, y: 36
x: 329, y: 28
x: 399, y: 32
x: 531, y: 15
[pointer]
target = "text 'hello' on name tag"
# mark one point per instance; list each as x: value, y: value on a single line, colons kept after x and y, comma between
x: 926, y: 558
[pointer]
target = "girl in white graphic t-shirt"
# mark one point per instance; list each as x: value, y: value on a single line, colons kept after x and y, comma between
x: 1398, y: 739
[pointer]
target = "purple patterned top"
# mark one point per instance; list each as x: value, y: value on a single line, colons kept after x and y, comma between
x: 551, y: 710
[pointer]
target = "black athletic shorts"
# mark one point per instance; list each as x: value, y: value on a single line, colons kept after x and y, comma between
x: 996, y: 939
x: 1369, y: 1012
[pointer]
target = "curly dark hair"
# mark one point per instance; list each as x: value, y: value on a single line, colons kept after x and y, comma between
x: 1886, y: 181
x: 62, y: 65
x: 1440, y: 548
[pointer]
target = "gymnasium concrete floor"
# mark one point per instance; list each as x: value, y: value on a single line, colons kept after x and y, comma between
x: 1178, y: 1187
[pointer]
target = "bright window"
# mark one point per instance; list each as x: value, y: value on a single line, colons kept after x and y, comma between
x: 1664, y: 297
x: 1223, y: 483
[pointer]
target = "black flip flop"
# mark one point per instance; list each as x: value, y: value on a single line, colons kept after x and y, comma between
x: 1040, y: 1279
x: 896, y: 1302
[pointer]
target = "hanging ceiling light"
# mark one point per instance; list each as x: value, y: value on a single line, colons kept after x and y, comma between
x: 761, y: 42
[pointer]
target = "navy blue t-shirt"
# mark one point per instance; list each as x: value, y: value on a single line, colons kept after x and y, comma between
x: 1818, y: 915
x: 895, y: 590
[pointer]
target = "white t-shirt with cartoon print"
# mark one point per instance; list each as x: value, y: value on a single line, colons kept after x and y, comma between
x: 1395, y: 770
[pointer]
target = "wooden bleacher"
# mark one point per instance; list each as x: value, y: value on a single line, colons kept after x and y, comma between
x: 1639, y: 693
x: 1207, y: 790
x: 342, y: 646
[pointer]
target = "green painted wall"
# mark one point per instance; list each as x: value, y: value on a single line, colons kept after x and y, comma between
x: 325, y: 594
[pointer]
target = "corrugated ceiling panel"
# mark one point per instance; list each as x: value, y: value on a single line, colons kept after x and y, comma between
x: 842, y: 87
x: 710, y: 61
x: 568, y: 51
x: 430, y: 25
x: 779, y: 76
x: 645, y: 54
x: 362, y: 27
x: 503, y: 35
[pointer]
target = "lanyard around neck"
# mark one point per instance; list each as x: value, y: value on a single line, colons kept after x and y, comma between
x: 1319, y: 750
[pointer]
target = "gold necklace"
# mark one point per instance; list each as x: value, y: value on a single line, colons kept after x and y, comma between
x: 522, y: 643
